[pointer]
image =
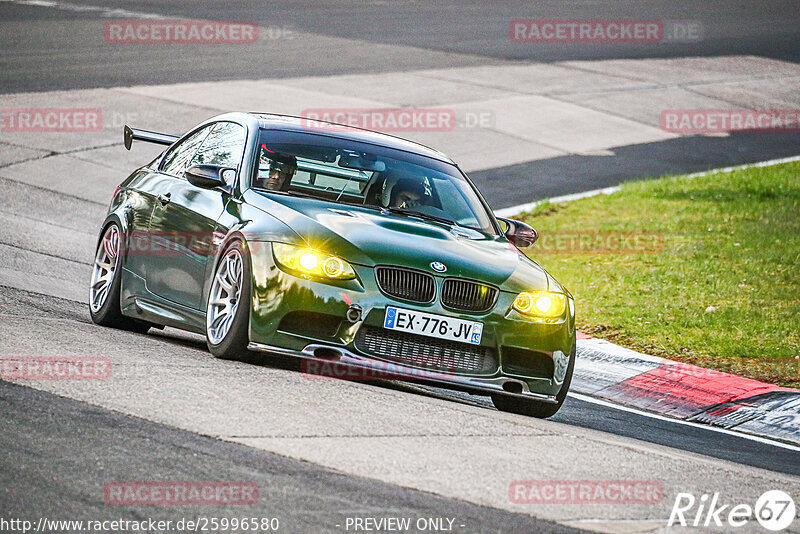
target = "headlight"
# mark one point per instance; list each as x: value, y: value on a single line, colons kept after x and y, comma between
x: 312, y: 262
x: 541, y: 304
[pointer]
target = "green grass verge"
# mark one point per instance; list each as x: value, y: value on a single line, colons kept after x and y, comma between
x: 723, y: 292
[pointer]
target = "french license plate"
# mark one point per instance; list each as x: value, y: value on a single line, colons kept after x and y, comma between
x: 427, y: 324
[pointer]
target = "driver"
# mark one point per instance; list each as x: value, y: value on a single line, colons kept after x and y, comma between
x: 281, y: 169
x: 407, y: 193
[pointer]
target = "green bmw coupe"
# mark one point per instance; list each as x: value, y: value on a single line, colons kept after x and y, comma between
x: 341, y: 246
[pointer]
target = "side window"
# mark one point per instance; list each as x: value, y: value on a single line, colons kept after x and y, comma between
x: 223, y: 146
x: 178, y: 157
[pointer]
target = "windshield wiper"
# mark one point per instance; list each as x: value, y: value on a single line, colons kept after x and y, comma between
x: 412, y: 213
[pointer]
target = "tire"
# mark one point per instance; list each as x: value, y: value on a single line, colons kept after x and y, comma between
x: 104, y: 288
x: 227, y: 321
x: 535, y: 408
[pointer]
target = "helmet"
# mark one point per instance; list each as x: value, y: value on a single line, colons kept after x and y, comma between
x: 392, y: 188
x: 282, y: 163
x: 280, y: 171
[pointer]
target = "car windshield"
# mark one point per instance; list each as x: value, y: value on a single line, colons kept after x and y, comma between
x: 349, y: 172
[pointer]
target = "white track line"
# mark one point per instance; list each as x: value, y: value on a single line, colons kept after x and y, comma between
x: 102, y: 11
x: 521, y: 208
x: 759, y: 439
x: 766, y: 163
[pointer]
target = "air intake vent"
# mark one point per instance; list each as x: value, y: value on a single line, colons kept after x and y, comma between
x: 406, y: 284
x: 468, y: 296
x: 426, y: 352
x: 528, y: 362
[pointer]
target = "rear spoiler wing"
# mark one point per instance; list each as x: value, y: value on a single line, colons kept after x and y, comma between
x: 151, y: 137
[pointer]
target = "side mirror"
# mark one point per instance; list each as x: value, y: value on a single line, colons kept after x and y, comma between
x: 519, y: 233
x: 207, y: 176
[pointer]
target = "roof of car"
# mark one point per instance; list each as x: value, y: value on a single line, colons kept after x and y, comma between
x: 305, y: 125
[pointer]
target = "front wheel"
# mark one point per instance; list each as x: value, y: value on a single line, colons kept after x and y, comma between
x: 228, y: 310
x: 104, y: 288
x: 535, y: 408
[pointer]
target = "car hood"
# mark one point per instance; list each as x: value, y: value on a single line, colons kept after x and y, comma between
x: 368, y: 237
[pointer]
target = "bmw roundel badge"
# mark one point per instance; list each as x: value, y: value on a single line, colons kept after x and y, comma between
x: 438, y: 266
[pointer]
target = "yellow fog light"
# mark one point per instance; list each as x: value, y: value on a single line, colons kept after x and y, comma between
x: 541, y: 303
x: 303, y: 260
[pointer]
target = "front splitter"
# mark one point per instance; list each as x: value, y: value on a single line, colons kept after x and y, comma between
x: 380, y: 370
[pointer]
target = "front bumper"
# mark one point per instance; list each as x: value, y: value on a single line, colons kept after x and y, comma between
x: 278, y: 295
x: 357, y: 362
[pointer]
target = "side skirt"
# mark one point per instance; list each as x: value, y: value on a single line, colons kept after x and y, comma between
x: 138, y: 302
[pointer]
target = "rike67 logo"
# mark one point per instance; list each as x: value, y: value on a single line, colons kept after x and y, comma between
x: 774, y: 510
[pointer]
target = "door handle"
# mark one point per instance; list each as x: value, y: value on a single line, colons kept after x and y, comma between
x: 164, y: 199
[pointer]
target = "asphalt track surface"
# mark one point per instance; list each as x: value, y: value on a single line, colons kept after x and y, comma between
x: 696, y: 439
x: 78, y: 448
x: 60, y: 451
x: 59, y: 47
x: 56, y: 48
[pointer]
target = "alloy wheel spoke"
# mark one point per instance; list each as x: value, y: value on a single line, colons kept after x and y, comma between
x: 100, y: 284
x: 219, y: 302
x: 227, y: 322
x: 233, y: 271
x: 221, y: 315
x: 224, y: 296
x: 223, y: 282
x: 101, y: 295
x: 105, y: 263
